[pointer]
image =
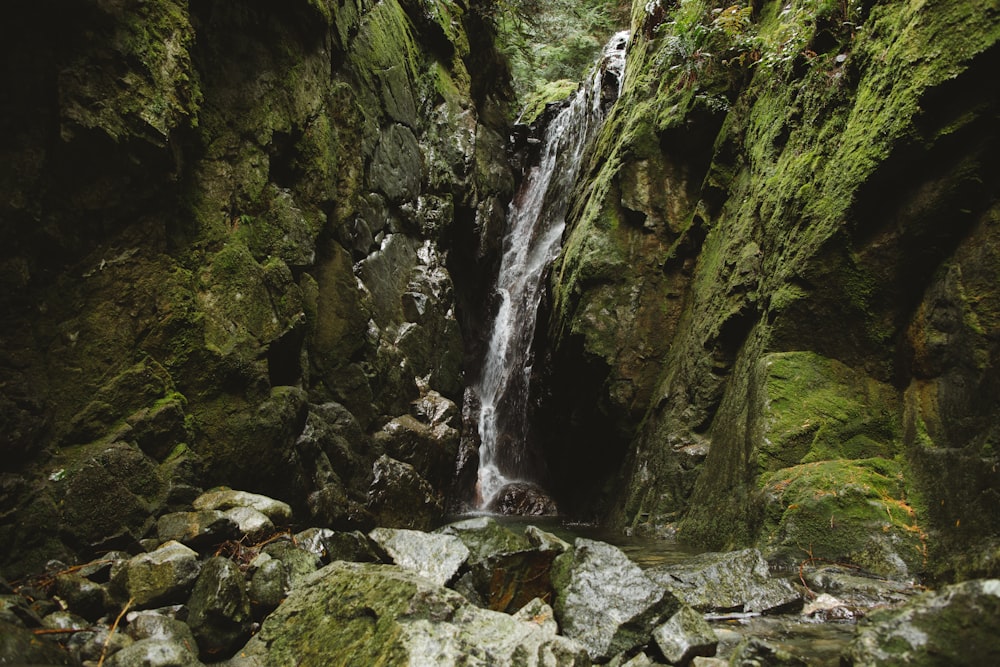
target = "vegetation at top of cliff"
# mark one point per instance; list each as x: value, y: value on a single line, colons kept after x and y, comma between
x: 551, y: 41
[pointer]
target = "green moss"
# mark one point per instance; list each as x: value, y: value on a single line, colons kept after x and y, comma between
x: 817, y: 409
x: 552, y: 91
x: 844, y: 511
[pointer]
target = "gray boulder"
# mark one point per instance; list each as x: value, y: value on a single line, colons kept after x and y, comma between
x: 82, y: 596
x: 436, y: 557
x: 268, y: 586
x: 154, y: 653
x: 196, y: 529
x: 605, y: 601
x: 728, y: 581
x: 251, y: 522
x: 160, y: 577
x: 957, y: 625
x: 153, y: 625
x: 223, y: 498
x: 684, y: 636
x: 298, y: 562
x: 219, y: 609
x: 484, y: 537
x: 383, y: 614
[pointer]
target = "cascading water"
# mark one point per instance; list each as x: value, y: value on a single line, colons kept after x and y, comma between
x: 534, y: 238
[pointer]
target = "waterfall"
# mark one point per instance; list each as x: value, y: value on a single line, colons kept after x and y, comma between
x: 535, y: 226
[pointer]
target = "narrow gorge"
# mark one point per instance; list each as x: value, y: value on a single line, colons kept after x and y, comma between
x: 728, y: 282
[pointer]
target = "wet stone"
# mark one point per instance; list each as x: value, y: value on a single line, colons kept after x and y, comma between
x: 153, y: 625
x: 159, y: 577
x: 223, y: 499
x: 298, y: 562
x: 154, y: 653
x: 250, y: 522
x: 196, y: 529
x: 268, y: 587
x: 82, y: 596
x: 433, y: 556
x: 219, y: 609
x: 684, y: 636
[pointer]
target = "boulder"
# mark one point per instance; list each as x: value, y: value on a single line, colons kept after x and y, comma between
x: 436, y: 557
x: 251, y: 522
x: 223, y: 498
x: 522, y: 499
x: 268, y: 587
x: 546, y: 541
x: 197, y: 530
x: 728, y: 581
x: 957, y: 625
x: 484, y: 537
x: 152, y: 625
x: 162, y: 576
x: 605, y: 601
x: 684, y: 636
x: 154, y: 653
x: 297, y: 561
x: 383, y: 614
x: 219, y: 609
x: 759, y: 653
x: 430, y: 449
x: 400, y: 497
x: 82, y: 596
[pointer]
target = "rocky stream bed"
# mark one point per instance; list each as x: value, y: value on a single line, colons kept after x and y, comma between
x: 229, y: 582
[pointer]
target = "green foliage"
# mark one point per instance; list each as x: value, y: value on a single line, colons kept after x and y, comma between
x: 700, y: 39
x: 560, y: 39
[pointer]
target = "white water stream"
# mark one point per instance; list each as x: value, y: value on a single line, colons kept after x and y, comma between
x: 535, y: 227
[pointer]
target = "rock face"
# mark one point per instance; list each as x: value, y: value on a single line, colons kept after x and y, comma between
x: 225, y: 256
x: 774, y: 319
x: 381, y: 614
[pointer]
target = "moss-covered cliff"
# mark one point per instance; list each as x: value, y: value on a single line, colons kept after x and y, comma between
x: 227, y: 236
x: 781, y: 276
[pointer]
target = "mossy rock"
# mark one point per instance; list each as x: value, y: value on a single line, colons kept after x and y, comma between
x: 818, y: 409
x: 856, y: 512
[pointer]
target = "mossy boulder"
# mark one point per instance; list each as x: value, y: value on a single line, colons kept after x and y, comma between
x: 854, y: 511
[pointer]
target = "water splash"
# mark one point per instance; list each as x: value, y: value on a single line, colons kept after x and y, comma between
x: 534, y: 239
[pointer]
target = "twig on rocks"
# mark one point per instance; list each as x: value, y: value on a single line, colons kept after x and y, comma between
x: 111, y: 632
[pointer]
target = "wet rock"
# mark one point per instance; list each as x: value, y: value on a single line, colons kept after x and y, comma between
x: 522, y: 499
x: 91, y: 645
x: 99, y: 569
x: 250, y: 522
x: 197, y: 530
x: 268, y: 587
x: 219, y: 609
x: 19, y: 646
x: 400, y: 497
x: 684, y: 636
x: 224, y: 498
x: 15, y: 610
x: 957, y: 625
x: 539, y: 613
x: 154, y: 653
x: 159, y: 577
x: 298, y: 562
x: 728, y: 581
x: 431, y: 450
x: 331, y: 545
x: 857, y: 590
x: 484, y: 537
x: 827, y: 608
x: 397, y: 166
x: 546, y: 541
x: 82, y: 596
x: 758, y: 653
x: 605, y: 601
x: 434, y: 556
x: 153, y: 625
x: 383, y: 614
